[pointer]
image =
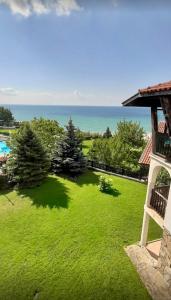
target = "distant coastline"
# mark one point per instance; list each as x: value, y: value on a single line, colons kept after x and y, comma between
x: 87, y: 118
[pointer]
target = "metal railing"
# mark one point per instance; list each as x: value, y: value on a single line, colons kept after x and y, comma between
x: 140, y: 175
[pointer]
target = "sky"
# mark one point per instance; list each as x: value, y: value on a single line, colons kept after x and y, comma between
x: 82, y: 52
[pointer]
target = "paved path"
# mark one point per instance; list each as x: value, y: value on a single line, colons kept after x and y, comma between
x: 150, y: 276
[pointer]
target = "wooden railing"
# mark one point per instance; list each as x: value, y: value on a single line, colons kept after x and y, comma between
x: 159, y: 198
x: 163, y: 145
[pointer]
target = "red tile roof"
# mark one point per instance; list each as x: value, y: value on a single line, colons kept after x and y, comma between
x: 145, y: 156
x: 166, y: 86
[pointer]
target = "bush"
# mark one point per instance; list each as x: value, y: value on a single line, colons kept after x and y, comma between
x: 105, y: 184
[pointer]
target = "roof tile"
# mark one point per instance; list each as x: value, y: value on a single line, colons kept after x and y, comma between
x: 166, y: 86
x: 145, y: 156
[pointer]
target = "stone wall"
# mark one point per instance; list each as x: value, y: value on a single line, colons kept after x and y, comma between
x: 164, y: 261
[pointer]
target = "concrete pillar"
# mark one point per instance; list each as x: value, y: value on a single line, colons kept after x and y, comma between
x: 144, y: 232
x: 153, y: 172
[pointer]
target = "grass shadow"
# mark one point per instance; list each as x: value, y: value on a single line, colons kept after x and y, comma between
x: 113, y: 192
x: 5, y: 193
x: 52, y: 193
x: 89, y: 177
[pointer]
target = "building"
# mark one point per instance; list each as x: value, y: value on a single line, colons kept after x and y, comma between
x: 145, y: 156
x: 158, y: 199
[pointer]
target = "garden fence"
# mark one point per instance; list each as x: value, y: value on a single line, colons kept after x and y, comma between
x: 140, y: 175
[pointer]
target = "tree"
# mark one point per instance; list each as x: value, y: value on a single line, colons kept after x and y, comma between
x: 130, y: 133
x: 68, y: 157
x: 123, y: 149
x: 107, y: 134
x: 163, y: 178
x: 101, y: 151
x: 6, y: 117
x: 29, y: 163
x: 130, y: 144
x: 48, y: 131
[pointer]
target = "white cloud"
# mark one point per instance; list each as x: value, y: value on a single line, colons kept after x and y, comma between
x: 76, y: 93
x: 8, y: 91
x: 74, y: 97
x: 29, y: 7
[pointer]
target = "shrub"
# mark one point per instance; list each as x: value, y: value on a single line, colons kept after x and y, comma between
x: 105, y: 184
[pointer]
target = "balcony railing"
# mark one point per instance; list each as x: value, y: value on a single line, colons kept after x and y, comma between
x: 163, y: 145
x: 159, y: 198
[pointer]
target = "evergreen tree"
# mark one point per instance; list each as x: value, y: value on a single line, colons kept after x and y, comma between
x: 107, y: 134
x: 68, y: 157
x: 6, y: 117
x: 29, y: 162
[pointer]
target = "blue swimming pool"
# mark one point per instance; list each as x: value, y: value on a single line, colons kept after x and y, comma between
x: 4, y: 149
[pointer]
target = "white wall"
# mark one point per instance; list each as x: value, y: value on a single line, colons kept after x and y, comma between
x: 156, y: 164
x: 167, y: 219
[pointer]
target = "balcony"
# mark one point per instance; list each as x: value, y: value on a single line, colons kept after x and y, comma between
x: 159, y: 198
x: 163, y: 145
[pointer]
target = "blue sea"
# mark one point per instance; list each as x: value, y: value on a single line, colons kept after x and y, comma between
x: 87, y: 118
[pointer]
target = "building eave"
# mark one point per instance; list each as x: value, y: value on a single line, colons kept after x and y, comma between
x: 146, y: 99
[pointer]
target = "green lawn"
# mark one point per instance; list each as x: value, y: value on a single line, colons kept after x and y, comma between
x: 86, y: 146
x: 64, y: 240
x: 6, y: 131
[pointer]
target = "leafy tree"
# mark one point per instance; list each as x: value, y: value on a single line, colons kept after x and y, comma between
x: 130, y: 133
x: 6, y: 117
x: 68, y: 157
x: 163, y: 178
x: 48, y: 131
x: 130, y: 144
x: 101, y: 151
x: 29, y: 163
x: 107, y: 134
x: 123, y: 150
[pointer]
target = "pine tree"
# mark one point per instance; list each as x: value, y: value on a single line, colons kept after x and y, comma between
x: 29, y: 163
x: 6, y: 117
x: 68, y: 157
x: 107, y: 133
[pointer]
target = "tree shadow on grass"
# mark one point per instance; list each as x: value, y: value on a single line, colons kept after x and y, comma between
x: 5, y: 194
x: 92, y: 177
x: 89, y: 177
x: 52, y: 193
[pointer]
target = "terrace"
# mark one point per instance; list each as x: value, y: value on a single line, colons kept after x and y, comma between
x: 162, y: 145
x: 159, y: 198
x: 158, y: 99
